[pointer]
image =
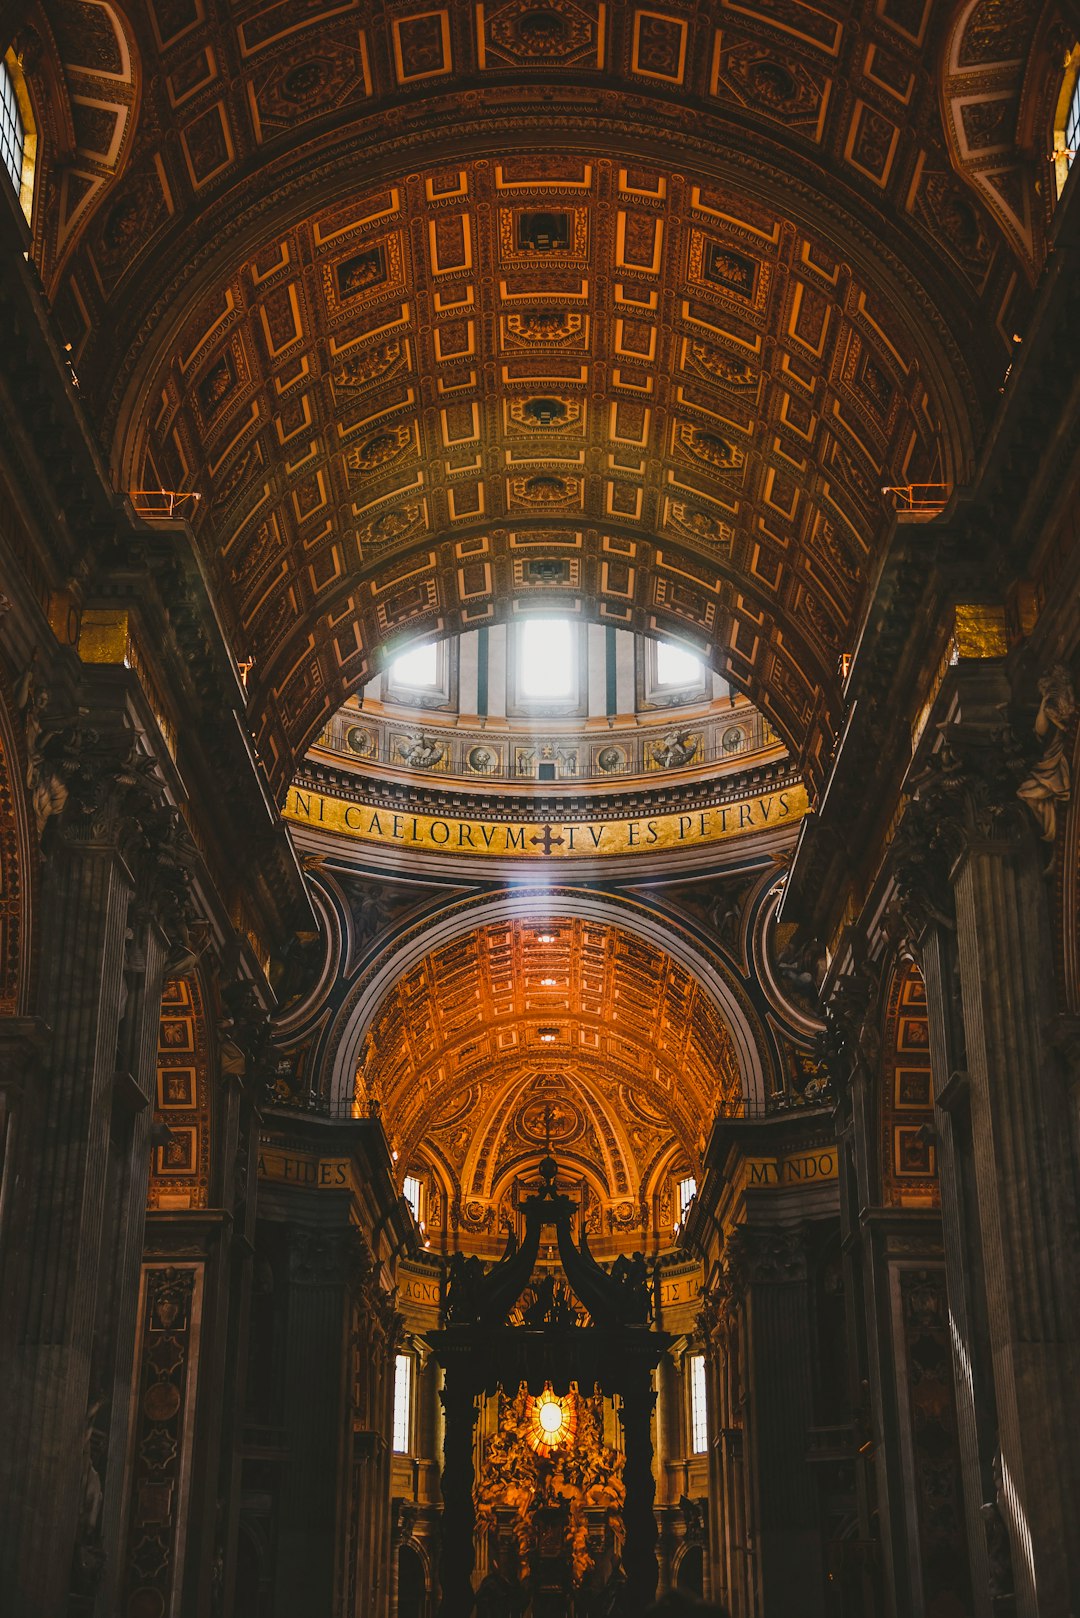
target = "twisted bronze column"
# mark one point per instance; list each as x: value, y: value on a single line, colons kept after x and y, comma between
x: 457, y: 1553
x: 639, y: 1552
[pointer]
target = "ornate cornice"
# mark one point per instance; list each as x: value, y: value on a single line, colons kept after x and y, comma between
x: 507, y: 804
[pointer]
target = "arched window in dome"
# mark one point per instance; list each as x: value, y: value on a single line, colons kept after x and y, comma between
x: 1067, y: 119
x: 687, y: 1190
x: 412, y: 1190
x: 546, y: 653
x: 18, y: 137
x: 418, y: 668
x: 676, y: 665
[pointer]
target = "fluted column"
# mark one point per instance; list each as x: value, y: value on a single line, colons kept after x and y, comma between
x: 971, y: 848
x: 124, y: 1215
x: 721, y: 1326
x: 69, y: 1284
x: 1027, y: 1214
x: 976, y: 1414
x: 199, y: 1525
x: 375, y: 1335
x: 639, y: 1517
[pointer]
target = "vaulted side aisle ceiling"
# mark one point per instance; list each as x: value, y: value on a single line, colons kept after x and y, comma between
x: 660, y: 299
x: 584, y: 1012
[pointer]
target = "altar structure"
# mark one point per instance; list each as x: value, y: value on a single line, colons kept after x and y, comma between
x: 552, y: 1355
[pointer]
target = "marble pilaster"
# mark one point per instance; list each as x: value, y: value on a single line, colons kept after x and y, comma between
x: 79, y: 1173
x: 1013, y: 1193
x: 770, y: 1268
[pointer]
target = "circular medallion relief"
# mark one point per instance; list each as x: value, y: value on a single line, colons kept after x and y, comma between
x: 483, y: 760
x: 454, y: 1108
x: 145, y: 1603
x: 161, y: 1401
x: 559, y: 1120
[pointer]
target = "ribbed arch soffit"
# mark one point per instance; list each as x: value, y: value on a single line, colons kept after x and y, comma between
x: 346, y: 1047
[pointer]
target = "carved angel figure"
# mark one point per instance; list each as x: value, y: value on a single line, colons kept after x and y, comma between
x: 1050, y: 781
x: 675, y: 750
x: 632, y: 1276
x: 422, y: 752
x: 465, y: 1278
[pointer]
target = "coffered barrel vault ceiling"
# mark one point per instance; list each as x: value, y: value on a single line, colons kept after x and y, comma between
x: 578, y: 1013
x: 445, y: 312
x: 410, y: 405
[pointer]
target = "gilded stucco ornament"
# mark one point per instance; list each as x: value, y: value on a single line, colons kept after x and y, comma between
x: 578, y: 1476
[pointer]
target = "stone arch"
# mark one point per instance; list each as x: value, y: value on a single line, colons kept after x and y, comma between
x: 689, y: 1569
x: 758, y: 1068
x: 412, y: 1581
x: 440, y: 1188
x: 659, y: 1179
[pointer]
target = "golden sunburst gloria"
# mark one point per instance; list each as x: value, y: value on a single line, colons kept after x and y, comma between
x: 553, y: 1419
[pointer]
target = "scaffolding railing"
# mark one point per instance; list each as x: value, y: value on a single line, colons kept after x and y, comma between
x: 161, y: 503
x: 817, y: 1094
x: 925, y: 499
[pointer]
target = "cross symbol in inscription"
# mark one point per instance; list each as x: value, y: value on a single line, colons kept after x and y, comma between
x: 548, y: 841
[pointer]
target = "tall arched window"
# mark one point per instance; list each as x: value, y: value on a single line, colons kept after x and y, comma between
x: 403, y: 1403
x: 18, y: 139
x: 1067, y: 119
x: 1072, y: 122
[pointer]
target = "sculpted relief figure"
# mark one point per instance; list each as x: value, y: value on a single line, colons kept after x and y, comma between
x: 422, y: 752
x: 580, y: 1477
x: 632, y: 1276
x: 1050, y: 781
x: 466, y: 1276
x: 49, y: 761
x: 675, y: 750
